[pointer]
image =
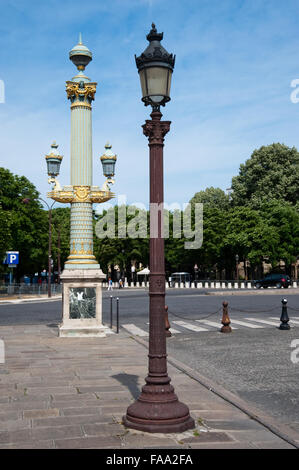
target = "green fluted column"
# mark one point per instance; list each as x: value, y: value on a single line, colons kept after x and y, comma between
x: 81, y: 145
x: 81, y: 93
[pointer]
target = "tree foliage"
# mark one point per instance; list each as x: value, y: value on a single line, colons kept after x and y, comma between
x: 60, y: 223
x: 271, y: 173
x: 259, y: 222
x: 214, y: 198
x: 5, y: 234
x: 27, y: 221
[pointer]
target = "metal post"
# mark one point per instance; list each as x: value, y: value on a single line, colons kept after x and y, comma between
x: 117, y: 315
x: 157, y: 409
x: 111, y: 311
x: 284, y: 316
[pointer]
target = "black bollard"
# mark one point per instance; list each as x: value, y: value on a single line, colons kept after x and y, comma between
x: 284, y: 316
x: 111, y: 311
x: 117, y: 315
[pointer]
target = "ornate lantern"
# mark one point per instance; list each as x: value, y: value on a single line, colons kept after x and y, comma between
x: 108, y: 160
x: 155, y: 66
x: 53, y: 160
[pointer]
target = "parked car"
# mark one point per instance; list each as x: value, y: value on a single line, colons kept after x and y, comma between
x: 179, y: 277
x: 277, y: 280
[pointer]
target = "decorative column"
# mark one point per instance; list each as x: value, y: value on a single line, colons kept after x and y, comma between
x: 82, y: 277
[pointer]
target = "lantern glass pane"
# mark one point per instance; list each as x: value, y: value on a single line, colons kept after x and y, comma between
x: 108, y: 168
x: 157, y: 83
x: 169, y: 81
x: 53, y: 167
x: 142, y: 76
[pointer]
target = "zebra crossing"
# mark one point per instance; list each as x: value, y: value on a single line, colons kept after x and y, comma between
x: 182, y: 327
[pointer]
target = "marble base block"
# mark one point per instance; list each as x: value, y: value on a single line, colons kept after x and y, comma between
x: 82, y: 303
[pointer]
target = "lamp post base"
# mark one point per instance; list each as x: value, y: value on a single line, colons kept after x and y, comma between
x: 158, y: 410
x: 163, y: 427
x: 82, y: 303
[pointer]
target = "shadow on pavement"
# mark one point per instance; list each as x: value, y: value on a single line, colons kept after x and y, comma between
x: 130, y: 381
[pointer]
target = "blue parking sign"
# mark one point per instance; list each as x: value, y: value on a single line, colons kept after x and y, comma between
x: 12, y: 257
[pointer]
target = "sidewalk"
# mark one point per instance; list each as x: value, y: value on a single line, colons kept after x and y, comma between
x: 28, y: 298
x: 72, y: 393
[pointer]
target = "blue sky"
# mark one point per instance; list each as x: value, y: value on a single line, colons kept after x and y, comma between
x: 235, y: 61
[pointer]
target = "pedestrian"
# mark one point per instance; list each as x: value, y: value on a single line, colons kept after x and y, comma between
x: 110, y: 287
x: 120, y: 283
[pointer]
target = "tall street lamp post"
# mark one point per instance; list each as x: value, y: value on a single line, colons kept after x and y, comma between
x: 157, y: 409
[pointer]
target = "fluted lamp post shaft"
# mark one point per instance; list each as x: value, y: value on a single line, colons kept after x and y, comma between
x: 157, y: 409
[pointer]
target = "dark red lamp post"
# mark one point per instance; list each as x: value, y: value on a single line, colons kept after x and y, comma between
x: 157, y: 409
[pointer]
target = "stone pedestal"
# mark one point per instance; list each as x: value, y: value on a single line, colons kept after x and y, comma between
x: 82, y: 303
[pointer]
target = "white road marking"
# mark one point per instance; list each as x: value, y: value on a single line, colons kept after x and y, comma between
x: 134, y: 330
x: 189, y: 326
x: 172, y: 330
x: 213, y: 323
x: 266, y: 322
x: 296, y: 322
x: 248, y: 325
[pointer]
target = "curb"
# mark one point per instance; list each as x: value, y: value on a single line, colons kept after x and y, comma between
x: 282, y: 292
x: 33, y: 299
x: 280, y: 430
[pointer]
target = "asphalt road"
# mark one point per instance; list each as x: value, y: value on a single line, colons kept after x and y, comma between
x: 254, y: 363
x: 185, y: 303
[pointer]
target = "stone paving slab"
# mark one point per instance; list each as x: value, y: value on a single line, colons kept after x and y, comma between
x: 58, y: 393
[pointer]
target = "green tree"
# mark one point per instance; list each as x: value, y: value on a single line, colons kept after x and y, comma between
x: 212, y: 197
x: 61, y: 223
x: 115, y: 250
x: 250, y: 235
x: 271, y: 173
x: 5, y: 234
x: 216, y: 205
x: 28, y: 221
x: 283, y: 219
